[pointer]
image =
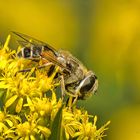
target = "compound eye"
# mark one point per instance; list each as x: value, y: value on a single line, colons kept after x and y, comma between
x: 88, y: 84
x: 27, y: 52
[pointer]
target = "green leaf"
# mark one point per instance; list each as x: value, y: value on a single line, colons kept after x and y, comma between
x: 56, y: 130
x: 2, y: 98
x: 63, y: 134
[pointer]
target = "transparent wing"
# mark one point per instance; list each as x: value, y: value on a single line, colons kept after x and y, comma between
x: 48, y: 53
x: 26, y: 41
x: 49, y: 57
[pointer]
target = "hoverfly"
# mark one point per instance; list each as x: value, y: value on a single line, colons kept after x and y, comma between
x: 74, y: 77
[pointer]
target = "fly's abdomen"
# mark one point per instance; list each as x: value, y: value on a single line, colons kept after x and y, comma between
x: 30, y: 52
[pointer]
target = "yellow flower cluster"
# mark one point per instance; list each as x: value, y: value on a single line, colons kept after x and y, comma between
x: 28, y: 112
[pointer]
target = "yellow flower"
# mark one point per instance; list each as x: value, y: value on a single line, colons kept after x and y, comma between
x: 30, y: 128
x: 76, y: 124
x: 7, y: 124
x: 42, y: 106
x: 22, y: 86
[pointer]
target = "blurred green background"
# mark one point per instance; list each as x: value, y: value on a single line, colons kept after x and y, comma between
x: 105, y: 36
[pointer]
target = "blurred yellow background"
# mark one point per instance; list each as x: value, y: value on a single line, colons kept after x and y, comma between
x: 105, y: 36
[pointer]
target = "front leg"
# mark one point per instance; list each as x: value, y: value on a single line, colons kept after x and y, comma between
x: 63, y: 90
x: 72, y: 99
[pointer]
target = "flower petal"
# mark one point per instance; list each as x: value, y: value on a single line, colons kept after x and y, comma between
x: 32, y: 137
x: 19, y: 105
x: 10, y: 101
x: 10, y: 123
x: 30, y: 103
x: 44, y: 130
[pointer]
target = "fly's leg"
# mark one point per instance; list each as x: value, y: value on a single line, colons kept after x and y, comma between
x: 75, y: 100
x: 62, y: 86
x: 72, y: 98
x: 39, y: 67
x: 71, y: 102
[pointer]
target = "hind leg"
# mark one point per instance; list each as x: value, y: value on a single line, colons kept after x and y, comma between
x: 38, y: 67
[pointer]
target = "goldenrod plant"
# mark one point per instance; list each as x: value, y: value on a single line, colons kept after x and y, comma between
x: 30, y: 108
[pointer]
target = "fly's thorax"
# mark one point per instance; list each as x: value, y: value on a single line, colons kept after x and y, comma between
x: 71, y: 62
x: 76, y: 72
x: 76, y: 68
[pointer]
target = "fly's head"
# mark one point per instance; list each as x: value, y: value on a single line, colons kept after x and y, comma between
x: 87, y: 86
